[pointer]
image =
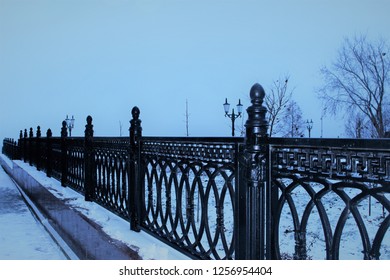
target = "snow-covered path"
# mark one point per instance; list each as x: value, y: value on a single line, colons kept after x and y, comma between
x: 22, y: 236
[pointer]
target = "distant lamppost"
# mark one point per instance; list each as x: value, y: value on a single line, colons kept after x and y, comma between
x: 69, y: 124
x: 232, y: 116
x: 309, y: 125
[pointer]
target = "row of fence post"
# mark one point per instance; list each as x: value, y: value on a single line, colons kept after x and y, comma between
x: 253, y: 210
x: 11, y: 149
x: 30, y: 150
x: 33, y: 155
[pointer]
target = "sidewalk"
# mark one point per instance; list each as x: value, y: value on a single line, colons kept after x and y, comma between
x: 22, y: 236
x: 91, y: 231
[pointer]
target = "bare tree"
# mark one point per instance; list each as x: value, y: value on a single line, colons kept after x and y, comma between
x: 357, y: 126
x: 120, y: 128
x: 241, y: 126
x: 357, y: 81
x: 294, y: 125
x: 276, y: 103
x: 187, y: 115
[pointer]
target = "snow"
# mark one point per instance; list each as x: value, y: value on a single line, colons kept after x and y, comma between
x: 22, y: 236
x: 147, y: 246
x: 351, y: 247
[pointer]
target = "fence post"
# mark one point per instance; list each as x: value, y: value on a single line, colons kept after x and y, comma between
x: 251, y: 224
x: 64, y: 164
x: 49, y: 166
x: 38, y: 148
x: 89, y: 183
x: 30, y: 147
x: 20, y: 145
x: 12, y: 148
x: 135, y: 183
x: 25, y: 145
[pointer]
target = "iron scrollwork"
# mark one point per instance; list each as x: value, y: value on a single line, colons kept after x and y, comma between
x: 347, y: 189
x: 189, y: 190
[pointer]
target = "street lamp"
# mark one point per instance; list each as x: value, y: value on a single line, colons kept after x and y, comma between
x: 309, y: 126
x: 69, y: 124
x: 232, y: 116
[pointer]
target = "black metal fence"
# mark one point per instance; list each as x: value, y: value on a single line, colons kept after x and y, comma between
x: 11, y: 148
x: 190, y: 193
x: 336, y: 194
x: 231, y: 198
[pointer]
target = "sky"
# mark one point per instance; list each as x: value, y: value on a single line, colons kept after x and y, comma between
x: 102, y: 57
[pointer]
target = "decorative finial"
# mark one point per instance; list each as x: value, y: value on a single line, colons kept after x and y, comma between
x: 89, y: 120
x: 89, y: 129
x: 64, y: 130
x: 135, y: 113
x: 256, y: 125
x: 257, y: 94
x: 38, y: 131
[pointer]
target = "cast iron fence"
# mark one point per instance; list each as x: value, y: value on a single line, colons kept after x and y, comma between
x: 336, y: 193
x: 231, y: 198
x: 11, y: 148
x: 190, y: 192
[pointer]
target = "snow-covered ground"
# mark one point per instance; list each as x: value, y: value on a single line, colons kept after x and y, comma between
x: 22, y: 236
x: 351, y: 246
x: 147, y: 246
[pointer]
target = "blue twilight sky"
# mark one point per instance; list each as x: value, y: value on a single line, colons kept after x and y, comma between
x: 102, y: 57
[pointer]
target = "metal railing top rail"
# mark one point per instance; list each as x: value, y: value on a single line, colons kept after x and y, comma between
x: 207, y: 149
x: 125, y: 139
x: 359, y: 160
x: 336, y: 143
x: 196, y: 139
x: 383, y: 143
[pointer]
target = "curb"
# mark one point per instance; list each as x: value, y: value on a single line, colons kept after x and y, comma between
x: 84, y: 237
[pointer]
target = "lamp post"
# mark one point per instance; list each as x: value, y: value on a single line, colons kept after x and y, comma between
x: 232, y: 116
x: 69, y: 124
x: 309, y: 125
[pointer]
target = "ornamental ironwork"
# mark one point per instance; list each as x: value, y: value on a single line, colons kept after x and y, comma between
x: 230, y: 198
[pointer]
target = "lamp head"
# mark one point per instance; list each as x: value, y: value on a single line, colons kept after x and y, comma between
x: 226, y: 106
